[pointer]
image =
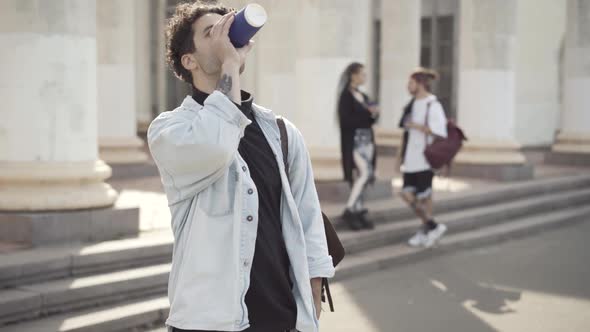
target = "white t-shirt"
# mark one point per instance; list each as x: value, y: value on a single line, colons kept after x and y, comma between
x: 414, y: 160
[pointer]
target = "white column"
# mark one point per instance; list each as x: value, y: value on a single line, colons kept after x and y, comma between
x: 144, y: 76
x: 48, y: 137
x: 400, y: 54
x: 162, y: 70
x: 537, y: 95
x: 117, y: 123
x: 575, y: 118
x: 486, y: 108
x: 330, y: 35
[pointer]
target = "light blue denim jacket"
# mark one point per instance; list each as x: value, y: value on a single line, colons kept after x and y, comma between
x: 206, y: 181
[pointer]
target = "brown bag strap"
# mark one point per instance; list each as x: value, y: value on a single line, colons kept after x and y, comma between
x: 284, y: 142
x: 326, y: 287
x: 331, y: 235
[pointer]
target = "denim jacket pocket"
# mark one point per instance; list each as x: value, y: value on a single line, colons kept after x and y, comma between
x: 218, y: 199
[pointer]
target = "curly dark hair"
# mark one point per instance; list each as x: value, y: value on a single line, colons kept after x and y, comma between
x: 179, y: 33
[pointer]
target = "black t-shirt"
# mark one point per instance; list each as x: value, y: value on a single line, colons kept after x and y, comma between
x: 270, y: 301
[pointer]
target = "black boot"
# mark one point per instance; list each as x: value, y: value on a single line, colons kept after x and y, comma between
x: 352, y: 220
x: 362, y: 217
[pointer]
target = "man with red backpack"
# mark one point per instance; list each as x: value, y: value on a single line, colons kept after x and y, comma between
x: 424, y: 122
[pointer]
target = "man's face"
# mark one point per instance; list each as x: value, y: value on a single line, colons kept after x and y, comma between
x: 412, y: 86
x: 208, y: 62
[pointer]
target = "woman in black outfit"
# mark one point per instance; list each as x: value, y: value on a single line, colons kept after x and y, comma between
x: 356, y: 115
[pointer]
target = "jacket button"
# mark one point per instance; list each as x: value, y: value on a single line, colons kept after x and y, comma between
x: 250, y: 218
x: 250, y: 191
x: 244, y: 168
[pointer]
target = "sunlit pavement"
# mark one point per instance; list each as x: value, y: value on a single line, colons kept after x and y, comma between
x: 537, y: 284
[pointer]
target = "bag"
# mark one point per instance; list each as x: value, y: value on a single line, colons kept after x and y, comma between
x: 335, y: 248
x: 443, y: 150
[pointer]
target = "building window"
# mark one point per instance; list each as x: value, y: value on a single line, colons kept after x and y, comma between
x: 437, y: 46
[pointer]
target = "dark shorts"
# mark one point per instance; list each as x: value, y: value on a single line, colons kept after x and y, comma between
x: 419, y: 184
x: 173, y: 329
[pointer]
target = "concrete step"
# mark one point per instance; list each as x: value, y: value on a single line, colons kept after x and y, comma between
x: 146, y: 314
x: 385, y: 211
x: 33, y: 301
x: 60, y: 227
x: 338, y: 191
x: 567, y: 159
x: 137, y: 315
x: 48, y: 263
x: 400, y: 231
x: 8, y: 246
x: 54, y: 262
x: 387, y: 256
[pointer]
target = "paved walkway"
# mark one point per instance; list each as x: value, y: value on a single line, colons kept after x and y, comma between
x: 535, y: 284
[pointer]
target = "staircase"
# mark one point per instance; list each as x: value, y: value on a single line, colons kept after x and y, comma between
x: 120, y: 285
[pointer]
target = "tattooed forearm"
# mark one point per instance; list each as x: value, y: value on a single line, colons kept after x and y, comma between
x: 225, y: 84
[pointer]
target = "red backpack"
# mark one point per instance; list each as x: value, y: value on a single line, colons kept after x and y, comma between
x: 443, y: 150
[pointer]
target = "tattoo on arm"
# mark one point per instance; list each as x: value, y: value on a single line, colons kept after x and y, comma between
x: 225, y: 84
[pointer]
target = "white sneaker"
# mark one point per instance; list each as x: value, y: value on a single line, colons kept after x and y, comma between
x: 434, y: 235
x: 418, y: 240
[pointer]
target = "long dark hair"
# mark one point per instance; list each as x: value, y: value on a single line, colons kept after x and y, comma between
x: 346, y: 76
x: 344, y: 82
